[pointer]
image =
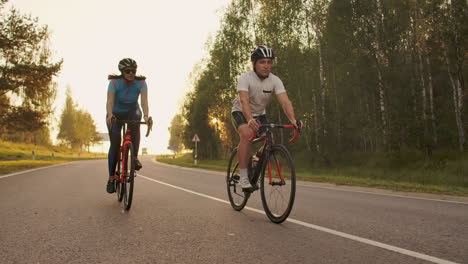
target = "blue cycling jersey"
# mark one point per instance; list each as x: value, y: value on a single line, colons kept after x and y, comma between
x: 126, y: 94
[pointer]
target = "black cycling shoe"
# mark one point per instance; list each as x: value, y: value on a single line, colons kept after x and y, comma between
x: 138, y: 165
x: 110, y: 186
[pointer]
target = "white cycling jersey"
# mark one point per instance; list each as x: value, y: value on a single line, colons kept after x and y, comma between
x: 260, y: 91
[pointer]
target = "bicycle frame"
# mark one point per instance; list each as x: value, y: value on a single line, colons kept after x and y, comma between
x: 126, y: 139
x: 268, y: 140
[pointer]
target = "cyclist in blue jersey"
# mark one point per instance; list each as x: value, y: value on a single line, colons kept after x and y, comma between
x: 122, y: 103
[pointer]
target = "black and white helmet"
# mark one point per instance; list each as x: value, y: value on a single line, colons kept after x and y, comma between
x: 262, y: 52
x: 127, y: 62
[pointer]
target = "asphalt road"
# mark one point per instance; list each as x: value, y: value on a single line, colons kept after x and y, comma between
x: 62, y: 214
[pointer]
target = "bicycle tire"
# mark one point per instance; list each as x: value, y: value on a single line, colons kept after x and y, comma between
x: 283, y: 186
x: 129, y: 176
x: 117, y: 184
x: 237, y: 197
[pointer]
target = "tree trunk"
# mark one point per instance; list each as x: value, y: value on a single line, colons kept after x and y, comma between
x: 337, y: 110
x: 316, y: 125
x: 426, y: 144
x: 456, y: 88
x: 431, y: 102
x: 379, y: 23
x: 383, y: 114
x: 323, y: 88
x: 314, y: 96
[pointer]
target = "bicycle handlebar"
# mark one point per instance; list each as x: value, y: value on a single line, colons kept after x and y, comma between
x: 297, y: 131
x: 149, y: 123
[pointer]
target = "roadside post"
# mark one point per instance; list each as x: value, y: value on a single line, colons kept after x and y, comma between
x: 195, y: 139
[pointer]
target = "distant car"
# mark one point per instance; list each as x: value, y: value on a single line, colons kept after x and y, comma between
x: 144, y: 151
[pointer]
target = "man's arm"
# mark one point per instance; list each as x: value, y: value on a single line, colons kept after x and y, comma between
x: 245, y: 107
x: 245, y: 104
x: 287, y: 106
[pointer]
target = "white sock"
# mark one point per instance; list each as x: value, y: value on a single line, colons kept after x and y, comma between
x: 244, y: 173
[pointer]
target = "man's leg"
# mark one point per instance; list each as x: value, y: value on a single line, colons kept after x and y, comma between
x: 244, y: 152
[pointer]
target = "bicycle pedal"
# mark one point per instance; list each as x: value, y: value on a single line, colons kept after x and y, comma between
x: 248, y: 190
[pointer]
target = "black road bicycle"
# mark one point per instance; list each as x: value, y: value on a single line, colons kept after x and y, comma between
x: 272, y: 167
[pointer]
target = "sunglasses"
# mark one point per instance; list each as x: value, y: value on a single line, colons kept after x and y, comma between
x: 129, y: 71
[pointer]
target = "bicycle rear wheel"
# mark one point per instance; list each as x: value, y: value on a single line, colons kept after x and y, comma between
x: 129, y: 175
x: 237, y: 197
x: 278, y: 184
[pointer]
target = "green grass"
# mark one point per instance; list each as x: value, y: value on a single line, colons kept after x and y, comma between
x: 18, y: 156
x: 186, y: 160
x: 441, y: 174
x: 20, y: 165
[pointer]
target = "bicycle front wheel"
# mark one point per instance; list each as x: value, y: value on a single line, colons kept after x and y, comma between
x: 278, y: 184
x: 117, y: 184
x: 237, y: 197
x: 129, y: 175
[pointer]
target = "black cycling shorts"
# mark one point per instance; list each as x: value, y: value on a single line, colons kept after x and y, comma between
x: 238, y: 119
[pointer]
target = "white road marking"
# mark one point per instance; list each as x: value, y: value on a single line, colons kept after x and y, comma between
x: 320, y: 228
x: 26, y: 171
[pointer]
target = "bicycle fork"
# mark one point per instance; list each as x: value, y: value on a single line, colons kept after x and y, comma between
x: 124, y: 170
x: 280, y: 174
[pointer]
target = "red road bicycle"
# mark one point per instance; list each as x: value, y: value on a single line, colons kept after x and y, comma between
x: 125, y: 172
x: 272, y: 167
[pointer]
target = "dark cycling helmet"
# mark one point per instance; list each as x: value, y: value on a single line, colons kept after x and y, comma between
x: 261, y: 52
x: 127, y: 62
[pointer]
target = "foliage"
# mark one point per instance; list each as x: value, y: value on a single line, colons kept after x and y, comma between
x: 27, y: 90
x: 366, y: 76
x: 176, y: 133
x: 77, y: 128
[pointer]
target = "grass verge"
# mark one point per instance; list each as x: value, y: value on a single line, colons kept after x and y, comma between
x: 18, y: 156
x: 11, y: 166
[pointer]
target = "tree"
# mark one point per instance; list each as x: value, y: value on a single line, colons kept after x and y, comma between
x: 215, y: 86
x: 176, y: 131
x: 68, y: 121
x: 365, y: 76
x: 76, y: 128
x: 27, y: 90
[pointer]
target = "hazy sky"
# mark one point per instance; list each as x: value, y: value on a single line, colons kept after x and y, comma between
x: 166, y: 38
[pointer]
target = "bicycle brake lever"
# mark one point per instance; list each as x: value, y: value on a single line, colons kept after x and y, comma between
x: 150, y: 126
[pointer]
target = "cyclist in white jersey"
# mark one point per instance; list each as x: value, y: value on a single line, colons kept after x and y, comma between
x: 254, y: 93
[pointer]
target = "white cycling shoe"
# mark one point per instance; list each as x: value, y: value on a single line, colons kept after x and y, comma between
x: 245, y: 183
